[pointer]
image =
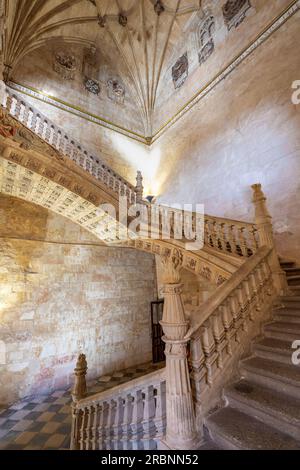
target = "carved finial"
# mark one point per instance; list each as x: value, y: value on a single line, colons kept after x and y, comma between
x: 159, y: 8
x: 79, y: 391
x: 123, y: 20
x: 259, y: 199
x: 139, y: 189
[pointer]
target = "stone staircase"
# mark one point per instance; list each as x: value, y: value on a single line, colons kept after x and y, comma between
x: 263, y: 408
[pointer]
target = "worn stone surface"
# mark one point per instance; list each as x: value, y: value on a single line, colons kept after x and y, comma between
x: 63, y: 293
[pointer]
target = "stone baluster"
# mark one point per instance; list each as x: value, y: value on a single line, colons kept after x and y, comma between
x: 102, y: 425
x: 263, y: 221
x: 209, y: 347
x: 95, y: 427
x: 117, y: 426
x: 139, y: 189
x: 181, y: 425
x: 137, y: 418
x: 79, y: 391
x: 25, y: 114
x: 126, y: 425
x: 219, y: 335
x: 9, y: 103
x: 18, y: 108
x: 76, y: 427
x: 34, y: 121
x: 149, y: 415
x: 52, y: 135
x: 228, y: 324
x: 109, y: 424
x: 160, y: 409
x: 88, y: 433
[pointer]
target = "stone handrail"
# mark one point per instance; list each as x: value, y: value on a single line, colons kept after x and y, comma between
x: 226, y: 318
x: 67, y: 145
x: 129, y: 416
x: 225, y: 235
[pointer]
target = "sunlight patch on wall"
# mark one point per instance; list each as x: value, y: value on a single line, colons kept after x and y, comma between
x: 147, y: 160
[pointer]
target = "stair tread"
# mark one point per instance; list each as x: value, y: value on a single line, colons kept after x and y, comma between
x: 246, y: 432
x: 274, y: 368
x: 291, y: 298
x: 284, y: 326
x: 282, y: 405
x: 274, y: 343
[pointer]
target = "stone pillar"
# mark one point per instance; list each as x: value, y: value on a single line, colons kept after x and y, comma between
x: 181, y: 430
x: 139, y: 189
x: 263, y: 221
x: 79, y: 391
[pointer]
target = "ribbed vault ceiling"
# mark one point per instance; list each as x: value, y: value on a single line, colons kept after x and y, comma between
x: 136, y: 36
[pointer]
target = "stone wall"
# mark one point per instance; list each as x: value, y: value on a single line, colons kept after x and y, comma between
x: 244, y: 132
x: 62, y: 292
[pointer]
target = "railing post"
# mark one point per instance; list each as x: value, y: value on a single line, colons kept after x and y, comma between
x: 79, y: 391
x: 139, y: 189
x: 181, y: 430
x: 263, y: 221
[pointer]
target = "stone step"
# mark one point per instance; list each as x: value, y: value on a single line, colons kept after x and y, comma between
x: 287, y: 315
x: 286, y: 263
x: 283, y: 330
x: 274, y: 349
x: 275, y: 409
x: 232, y: 429
x: 280, y: 377
x: 294, y: 271
x: 291, y: 301
x: 293, y: 280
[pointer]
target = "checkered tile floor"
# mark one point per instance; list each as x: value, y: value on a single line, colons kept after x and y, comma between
x: 44, y: 422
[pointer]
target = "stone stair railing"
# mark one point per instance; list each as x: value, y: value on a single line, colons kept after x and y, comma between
x: 226, y: 320
x: 224, y: 235
x: 129, y: 416
x: 67, y: 145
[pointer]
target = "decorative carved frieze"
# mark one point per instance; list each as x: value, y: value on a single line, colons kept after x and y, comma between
x: 234, y: 12
x: 180, y: 71
x: 65, y: 64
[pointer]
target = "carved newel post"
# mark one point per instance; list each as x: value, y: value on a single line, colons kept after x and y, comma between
x: 139, y: 189
x: 181, y: 427
x: 79, y: 391
x: 263, y: 221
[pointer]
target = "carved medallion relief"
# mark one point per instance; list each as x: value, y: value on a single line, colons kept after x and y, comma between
x: 234, y: 12
x: 115, y: 91
x: 180, y: 71
x: 205, y: 38
x: 65, y: 64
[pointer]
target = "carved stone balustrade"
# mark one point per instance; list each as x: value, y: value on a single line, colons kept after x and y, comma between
x: 129, y: 416
x: 52, y: 134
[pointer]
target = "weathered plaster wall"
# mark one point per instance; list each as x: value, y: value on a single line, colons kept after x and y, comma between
x: 63, y: 293
x: 245, y: 131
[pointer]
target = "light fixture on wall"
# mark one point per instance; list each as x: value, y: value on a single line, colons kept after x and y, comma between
x: 150, y: 198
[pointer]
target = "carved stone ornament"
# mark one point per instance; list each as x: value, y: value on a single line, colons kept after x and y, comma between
x: 65, y: 65
x: 159, y: 8
x: 115, y: 91
x: 123, y: 20
x: 180, y: 71
x: 205, y: 39
x: 92, y: 86
x: 234, y: 12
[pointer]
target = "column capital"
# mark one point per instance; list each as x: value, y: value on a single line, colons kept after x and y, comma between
x: 171, y: 266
